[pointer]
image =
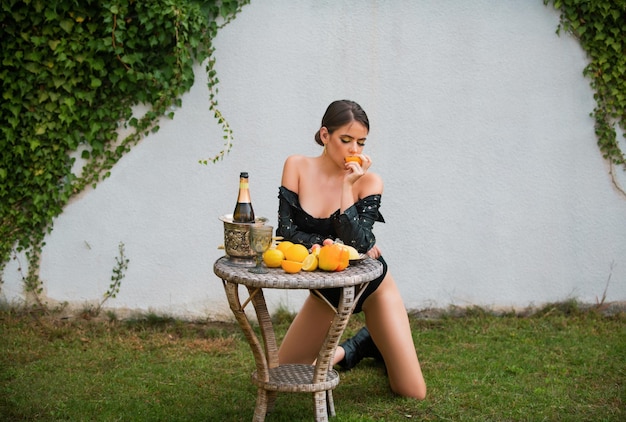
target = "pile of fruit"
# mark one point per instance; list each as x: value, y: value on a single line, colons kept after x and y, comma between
x: 293, y: 257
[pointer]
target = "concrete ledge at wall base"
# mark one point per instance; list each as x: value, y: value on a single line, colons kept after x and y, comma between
x: 567, y: 307
x: 89, y: 310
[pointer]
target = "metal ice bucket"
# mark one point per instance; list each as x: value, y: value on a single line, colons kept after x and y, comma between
x: 237, y: 240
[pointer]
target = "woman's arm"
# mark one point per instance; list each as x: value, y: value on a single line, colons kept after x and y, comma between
x: 354, y: 224
x: 358, y: 183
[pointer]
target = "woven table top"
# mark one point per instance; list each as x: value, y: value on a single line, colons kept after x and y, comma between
x: 357, y: 273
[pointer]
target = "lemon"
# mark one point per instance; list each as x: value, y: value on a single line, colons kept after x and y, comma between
x: 296, y: 253
x: 291, y: 267
x: 354, y: 254
x: 273, y: 257
x: 310, y: 263
x: 284, y: 245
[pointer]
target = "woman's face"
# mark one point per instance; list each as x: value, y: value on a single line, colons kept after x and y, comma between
x: 346, y: 140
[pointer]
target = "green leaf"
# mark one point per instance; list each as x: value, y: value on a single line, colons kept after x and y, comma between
x: 53, y: 44
x: 32, y: 67
x: 67, y: 25
x: 34, y: 144
x: 51, y: 14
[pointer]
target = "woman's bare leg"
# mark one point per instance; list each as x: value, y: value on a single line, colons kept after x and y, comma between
x: 307, y: 332
x: 339, y: 355
x: 388, y: 323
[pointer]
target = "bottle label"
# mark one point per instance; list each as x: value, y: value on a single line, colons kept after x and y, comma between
x: 243, y: 185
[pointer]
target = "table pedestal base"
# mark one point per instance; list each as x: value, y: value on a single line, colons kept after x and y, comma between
x: 271, y: 377
x: 294, y: 378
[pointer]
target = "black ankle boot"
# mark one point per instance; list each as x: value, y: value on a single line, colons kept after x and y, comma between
x: 359, y: 347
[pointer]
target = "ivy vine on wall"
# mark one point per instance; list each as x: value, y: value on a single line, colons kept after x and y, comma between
x: 71, y: 73
x: 600, y: 26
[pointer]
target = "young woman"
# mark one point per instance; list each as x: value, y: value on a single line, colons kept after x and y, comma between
x: 326, y: 197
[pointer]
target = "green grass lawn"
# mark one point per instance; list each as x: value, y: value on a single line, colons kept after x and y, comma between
x: 560, y: 363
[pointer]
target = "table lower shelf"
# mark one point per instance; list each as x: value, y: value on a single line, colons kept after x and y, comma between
x: 295, y: 378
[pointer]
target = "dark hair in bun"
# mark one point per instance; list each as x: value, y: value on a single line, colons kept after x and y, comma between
x: 340, y: 113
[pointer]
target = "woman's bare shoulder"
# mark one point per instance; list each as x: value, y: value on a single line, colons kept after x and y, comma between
x: 296, y: 159
x: 370, y: 184
x: 292, y: 170
x: 295, y: 163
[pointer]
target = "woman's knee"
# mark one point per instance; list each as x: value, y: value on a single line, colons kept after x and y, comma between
x: 417, y: 393
x: 415, y: 388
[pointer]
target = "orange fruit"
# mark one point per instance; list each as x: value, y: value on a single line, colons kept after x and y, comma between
x: 310, y: 263
x: 353, y: 158
x: 284, y: 245
x: 296, y: 253
x: 291, y: 267
x: 273, y: 257
x: 333, y: 258
x: 344, y: 260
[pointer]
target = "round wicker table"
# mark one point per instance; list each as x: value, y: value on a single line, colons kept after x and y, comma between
x: 270, y: 377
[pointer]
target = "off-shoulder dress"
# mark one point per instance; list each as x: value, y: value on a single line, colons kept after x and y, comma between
x: 353, y: 226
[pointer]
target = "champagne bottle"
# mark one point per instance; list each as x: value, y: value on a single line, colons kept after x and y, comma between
x: 243, y: 210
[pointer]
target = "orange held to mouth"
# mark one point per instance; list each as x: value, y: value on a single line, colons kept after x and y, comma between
x: 354, y: 158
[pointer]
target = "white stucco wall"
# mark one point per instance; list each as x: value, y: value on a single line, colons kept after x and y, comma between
x: 495, y: 191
